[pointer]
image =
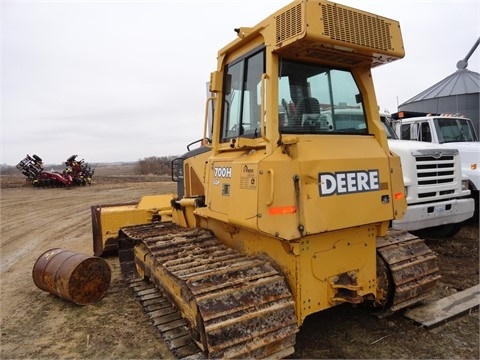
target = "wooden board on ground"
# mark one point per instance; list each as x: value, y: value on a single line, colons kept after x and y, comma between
x: 440, y: 310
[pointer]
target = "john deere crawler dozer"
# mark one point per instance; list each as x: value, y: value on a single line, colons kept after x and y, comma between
x: 279, y: 213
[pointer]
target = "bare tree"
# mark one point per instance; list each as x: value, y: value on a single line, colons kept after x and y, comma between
x: 155, y: 165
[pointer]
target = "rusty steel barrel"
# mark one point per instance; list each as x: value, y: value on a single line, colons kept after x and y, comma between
x: 80, y: 278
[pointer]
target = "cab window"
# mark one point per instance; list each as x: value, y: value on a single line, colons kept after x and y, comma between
x: 316, y: 99
x: 241, y: 100
x: 405, y: 132
x: 425, y: 133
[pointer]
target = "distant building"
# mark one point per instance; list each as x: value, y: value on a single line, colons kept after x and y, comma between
x: 458, y: 93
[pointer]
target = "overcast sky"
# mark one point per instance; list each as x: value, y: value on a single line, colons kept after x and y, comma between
x: 124, y: 80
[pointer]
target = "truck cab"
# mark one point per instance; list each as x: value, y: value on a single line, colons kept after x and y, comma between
x: 450, y: 130
x: 438, y: 201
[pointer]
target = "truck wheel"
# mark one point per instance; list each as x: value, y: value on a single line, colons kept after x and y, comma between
x: 439, y: 232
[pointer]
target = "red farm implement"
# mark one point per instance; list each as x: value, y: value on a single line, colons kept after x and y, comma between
x: 76, y: 172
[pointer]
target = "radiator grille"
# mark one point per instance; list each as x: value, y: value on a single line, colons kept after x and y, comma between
x: 289, y: 23
x: 431, y: 172
x: 357, y: 28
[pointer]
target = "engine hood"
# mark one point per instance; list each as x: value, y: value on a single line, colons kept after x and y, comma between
x: 470, y: 151
x: 412, y: 147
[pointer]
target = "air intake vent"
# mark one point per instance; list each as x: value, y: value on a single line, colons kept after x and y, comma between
x: 289, y: 23
x: 357, y: 28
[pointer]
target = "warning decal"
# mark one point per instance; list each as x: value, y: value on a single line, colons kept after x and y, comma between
x: 248, y: 177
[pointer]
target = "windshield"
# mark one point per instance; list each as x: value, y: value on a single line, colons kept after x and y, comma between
x: 454, y: 130
x: 314, y: 99
x: 388, y: 128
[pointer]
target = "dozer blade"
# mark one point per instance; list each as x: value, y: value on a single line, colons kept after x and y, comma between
x: 221, y: 303
x: 108, y: 219
x: 412, y: 266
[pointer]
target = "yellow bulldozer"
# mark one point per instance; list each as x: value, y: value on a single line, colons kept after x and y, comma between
x: 278, y: 214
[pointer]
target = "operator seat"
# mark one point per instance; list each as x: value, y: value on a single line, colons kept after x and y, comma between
x: 307, y: 112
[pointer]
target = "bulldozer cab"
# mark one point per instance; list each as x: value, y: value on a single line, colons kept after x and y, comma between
x: 281, y: 150
x: 304, y: 91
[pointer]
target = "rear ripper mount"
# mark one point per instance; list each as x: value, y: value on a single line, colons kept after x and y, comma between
x: 237, y: 306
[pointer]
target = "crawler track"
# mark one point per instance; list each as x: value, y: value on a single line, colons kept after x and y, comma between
x: 205, y: 299
x: 210, y: 301
x: 412, y: 272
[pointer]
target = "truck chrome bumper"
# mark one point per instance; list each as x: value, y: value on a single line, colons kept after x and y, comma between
x: 423, y: 216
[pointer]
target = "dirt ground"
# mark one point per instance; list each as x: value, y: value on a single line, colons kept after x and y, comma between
x: 36, y: 324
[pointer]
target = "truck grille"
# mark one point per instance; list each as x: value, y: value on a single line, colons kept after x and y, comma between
x: 433, y: 171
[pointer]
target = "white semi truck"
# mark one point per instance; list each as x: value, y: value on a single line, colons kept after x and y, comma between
x: 437, y: 192
x: 450, y: 130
